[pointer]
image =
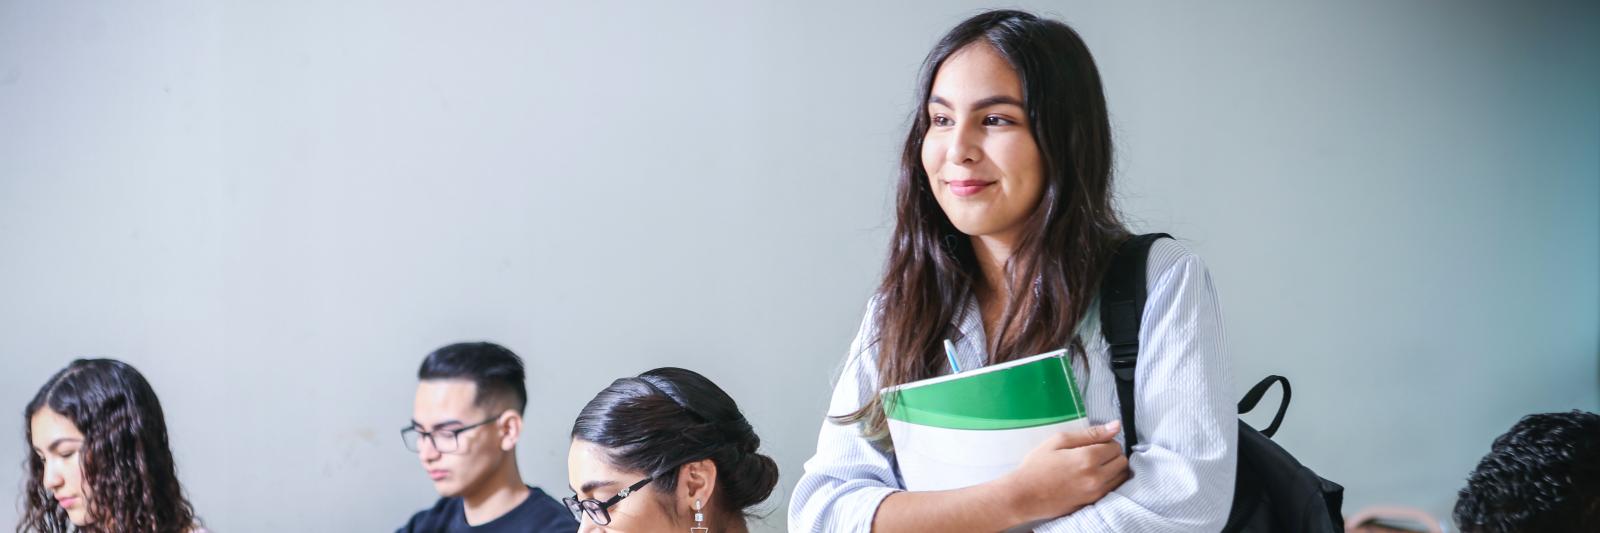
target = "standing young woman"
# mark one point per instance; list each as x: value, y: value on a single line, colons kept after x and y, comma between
x: 100, y: 459
x: 1005, y: 227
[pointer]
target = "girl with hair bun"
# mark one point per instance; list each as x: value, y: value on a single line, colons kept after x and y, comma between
x: 666, y: 451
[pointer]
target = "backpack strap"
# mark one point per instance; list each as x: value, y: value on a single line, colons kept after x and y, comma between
x: 1254, y: 397
x: 1122, y: 296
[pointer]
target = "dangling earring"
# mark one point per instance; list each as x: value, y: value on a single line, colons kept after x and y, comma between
x: 699, y: 520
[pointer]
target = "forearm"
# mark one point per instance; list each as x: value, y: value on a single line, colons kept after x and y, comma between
x: 982, y: 507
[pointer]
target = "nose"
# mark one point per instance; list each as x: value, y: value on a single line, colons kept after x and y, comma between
x: 53, y: 478
x: 426, y: 451
x: 585, y: 524
x: 963, y: 147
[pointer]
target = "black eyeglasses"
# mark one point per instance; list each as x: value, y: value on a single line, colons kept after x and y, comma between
x: 443, y: 440
x: 599, y: 511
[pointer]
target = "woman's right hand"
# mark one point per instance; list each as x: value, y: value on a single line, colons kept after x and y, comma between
x: 1065, y: 473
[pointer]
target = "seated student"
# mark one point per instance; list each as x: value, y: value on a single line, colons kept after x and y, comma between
x: 465, y: 424
x: 1543, y: 475
x: 666, y: 451
x: 101, y: 459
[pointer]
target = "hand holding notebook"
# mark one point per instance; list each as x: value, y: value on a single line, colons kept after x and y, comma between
x: 1078, y: 467
x: 1019, y: 424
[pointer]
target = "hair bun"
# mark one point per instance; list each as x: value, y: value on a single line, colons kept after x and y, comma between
x: 670, y: 416
x: 749, y: 480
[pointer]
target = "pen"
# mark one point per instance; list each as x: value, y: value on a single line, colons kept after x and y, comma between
x: 950, y: 351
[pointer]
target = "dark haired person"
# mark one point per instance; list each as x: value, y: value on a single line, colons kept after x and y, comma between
x: 1005, y: 225
x: 101, y: 460
x: 666, y: 451
x: 1542, y: 475
x: 465, y: 424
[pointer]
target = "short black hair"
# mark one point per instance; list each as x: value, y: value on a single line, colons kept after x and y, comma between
x: 495, y: 370
x: 1543, y: 475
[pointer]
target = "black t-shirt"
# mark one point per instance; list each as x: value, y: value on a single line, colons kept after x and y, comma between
x: 538, y: 514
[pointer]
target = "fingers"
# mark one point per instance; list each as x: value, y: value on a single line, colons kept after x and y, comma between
x: 1106, y: 452
x: 1119, y: 479
x: 1114, y: 481
x: 1108, y: 432
x: 1116, y: 462
x: 1087, y: 436
x: 1106, y: 478
x: 1114, y: 472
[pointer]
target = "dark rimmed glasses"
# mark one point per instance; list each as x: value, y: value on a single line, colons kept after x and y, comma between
x: 443, y: 440
x: 599, y: 511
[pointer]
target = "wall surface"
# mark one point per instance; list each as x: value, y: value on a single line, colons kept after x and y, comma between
x: 274, y: 210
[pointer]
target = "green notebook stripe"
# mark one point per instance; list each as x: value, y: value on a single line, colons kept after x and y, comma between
x: 1032, y: 394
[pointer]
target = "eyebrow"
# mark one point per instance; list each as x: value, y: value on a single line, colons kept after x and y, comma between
x: 58, y: 442
x: 991, y: 101
x: 435, y: 427
x: 591, y: 485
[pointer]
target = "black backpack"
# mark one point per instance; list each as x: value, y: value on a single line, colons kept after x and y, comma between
x: 1272, y: 491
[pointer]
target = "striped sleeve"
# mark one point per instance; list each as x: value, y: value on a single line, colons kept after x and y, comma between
x: 1183, y: 466
x: 848, y: 478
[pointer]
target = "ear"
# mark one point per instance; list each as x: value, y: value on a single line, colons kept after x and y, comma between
x: 697, y: 481
x: 510, y: 424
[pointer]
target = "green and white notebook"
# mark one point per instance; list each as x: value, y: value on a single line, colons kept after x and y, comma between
x: 964, y: 429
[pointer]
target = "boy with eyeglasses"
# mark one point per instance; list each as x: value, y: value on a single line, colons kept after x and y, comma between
x: 465, y: 424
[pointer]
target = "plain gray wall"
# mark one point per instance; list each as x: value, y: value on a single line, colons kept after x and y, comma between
x: 276, y: 209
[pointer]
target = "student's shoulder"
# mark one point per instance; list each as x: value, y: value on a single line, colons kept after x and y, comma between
x: 433, y: 518
x: 863, y: 352
x: 1169, y: 255
x: 552, y: 515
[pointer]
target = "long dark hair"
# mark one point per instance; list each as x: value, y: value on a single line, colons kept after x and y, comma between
x: 127, y: 463
x: 1065, y: 245
x: 669, y: 417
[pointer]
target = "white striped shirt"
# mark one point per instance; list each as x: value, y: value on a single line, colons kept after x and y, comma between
x: 1183, y: 465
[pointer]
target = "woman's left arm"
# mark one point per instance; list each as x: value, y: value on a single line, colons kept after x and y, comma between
x: 1183, y: 464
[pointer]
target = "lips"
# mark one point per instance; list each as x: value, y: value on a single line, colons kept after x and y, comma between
x: 67, y: 502
x: 968, y: 187
x: 438, y: 474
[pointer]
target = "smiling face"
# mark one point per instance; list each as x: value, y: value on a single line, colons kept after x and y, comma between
x: 982, y: 162
x: 59, y: 445
x: 444, y: 407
